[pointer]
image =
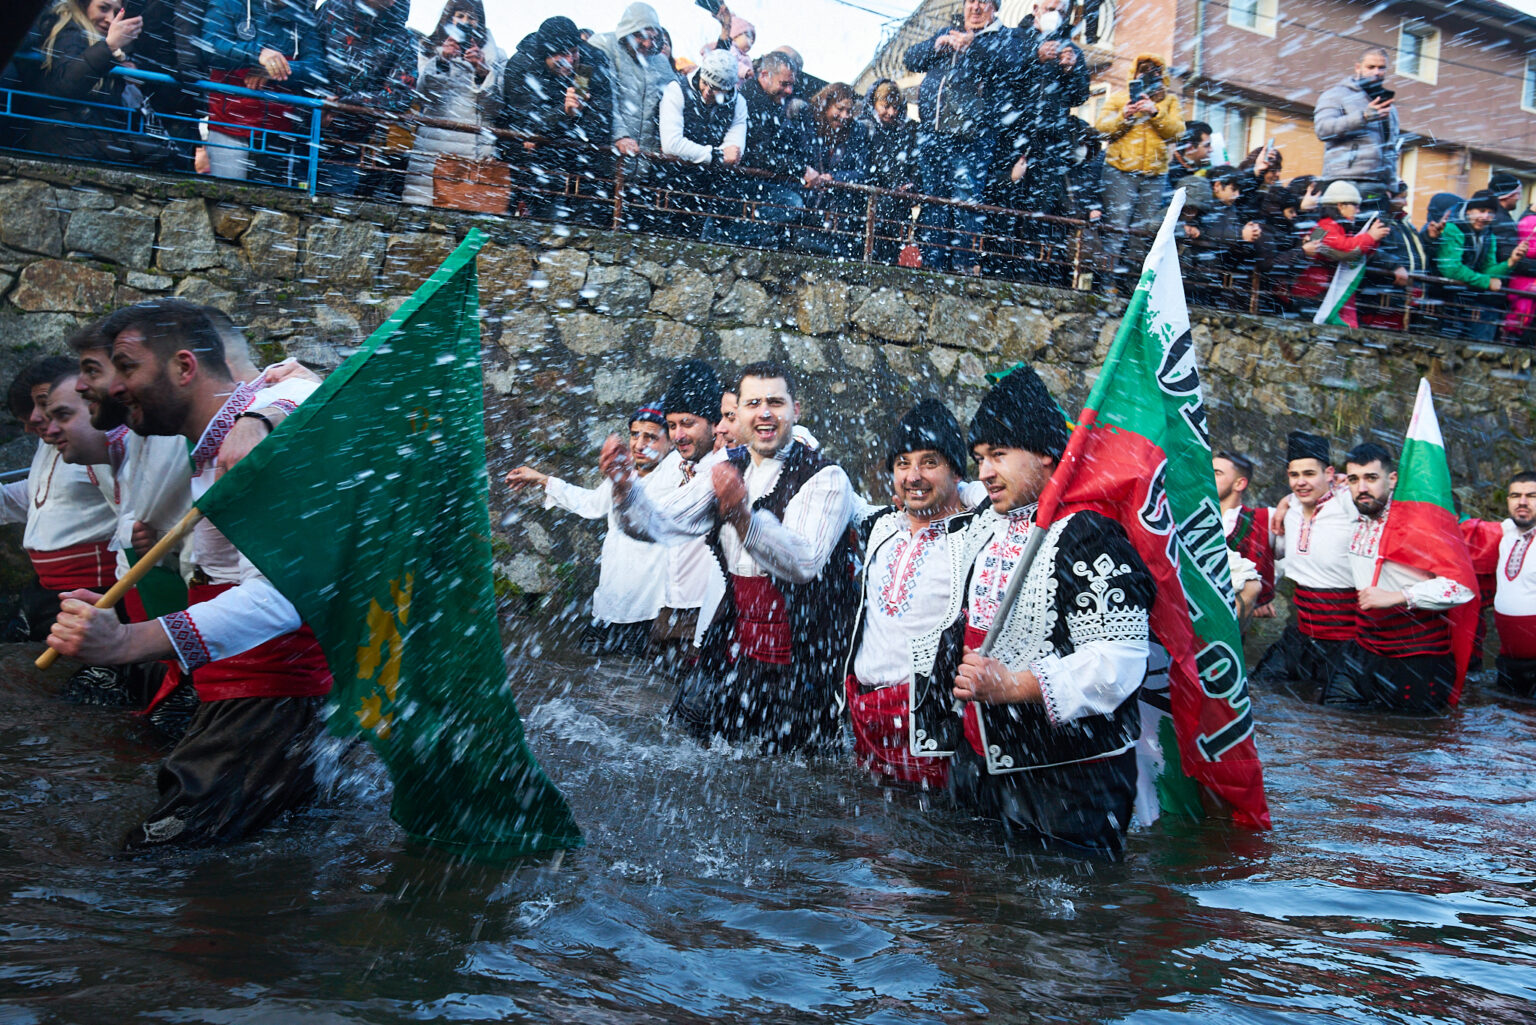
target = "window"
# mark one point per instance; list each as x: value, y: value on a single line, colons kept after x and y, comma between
x: 1418, y: 51
x: 1230, y: 122
x: 1253, y: 15
x: 1528, y: 87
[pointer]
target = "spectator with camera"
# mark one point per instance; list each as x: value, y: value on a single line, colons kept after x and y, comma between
x: 458, y: 77
x: 1468, y: 254
x: 640, y: 72
x: 1357, y: 123
x: 81, y: 43
x: 1333, y: 241
x: 371, y: 60
x: 703, y: 126
x: 1236, y: 232
x: 969, y: 76
x: 1384, y: 304
x: 1053, y: 80
x: 1191, y: 154
x: 1138, y: 124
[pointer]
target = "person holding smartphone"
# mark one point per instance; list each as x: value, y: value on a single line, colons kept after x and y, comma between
x: 1358, y: 126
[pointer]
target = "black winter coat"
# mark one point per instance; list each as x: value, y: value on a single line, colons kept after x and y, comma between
x: 965, y: 95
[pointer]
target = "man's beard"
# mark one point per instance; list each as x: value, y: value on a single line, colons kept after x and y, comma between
x: 1370, y: 506
x: 109, y: 415
x: 162, y: 409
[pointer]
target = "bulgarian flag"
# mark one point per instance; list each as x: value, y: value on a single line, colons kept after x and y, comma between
x: 383, y: 543
x: 1422, y: 528
x: 1140, y: 454
x: 1336, y: 307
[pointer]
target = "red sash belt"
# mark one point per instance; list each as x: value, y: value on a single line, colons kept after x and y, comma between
x: 762, y: 621
x: 290, y: 666
x: 880, y: 732
x: 1326, y: 613
x: 972, y: 717
x: 1517, y: 635
x: 89, y: 566
x: 1400, y: 632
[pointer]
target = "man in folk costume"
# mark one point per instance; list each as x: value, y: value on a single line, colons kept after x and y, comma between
x: 915, y: 567
x: 1402, y: 657
x: 693, y: 580
x: 1316, y: 522
x: 68, y: 508
x: 1514, y: 602
x: 775, y: 513
x: 259, y: 672
x: 1247, y: 527
x: 1050, y: 719
x: 631, y: 576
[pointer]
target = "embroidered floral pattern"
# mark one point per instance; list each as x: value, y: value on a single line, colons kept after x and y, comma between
x: 222, y: 423
x: 1516, y: 560
x: 186, y: 639
x: 997, y: 564
x: 907, y: 557
x: 1304, y: 535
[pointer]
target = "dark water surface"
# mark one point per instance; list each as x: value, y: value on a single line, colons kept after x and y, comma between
x: 1399, y: 885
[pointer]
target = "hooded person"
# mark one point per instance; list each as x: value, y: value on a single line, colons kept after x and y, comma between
x: 703, y: 124
x: 1049, y: 720
x: 912, y: 591
x: 640, y: 73
x: 631, y: 573
x: 1137, y: 125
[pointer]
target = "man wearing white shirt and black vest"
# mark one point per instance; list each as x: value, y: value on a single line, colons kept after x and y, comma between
x: 1401, y: 660
x: 259, y: 671
x: 776, y: 515
x: 1317, y: 521
x: 915, y: 567
x: 1514, y: 601
x: 1050, y: 719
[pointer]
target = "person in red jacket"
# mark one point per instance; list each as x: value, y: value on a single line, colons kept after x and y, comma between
x: 1333, y: 241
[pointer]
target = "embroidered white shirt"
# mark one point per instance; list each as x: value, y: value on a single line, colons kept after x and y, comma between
x: 1317, y: 550
x: 1422, y: 591
x: 1516, y: 576
x: 906, y: 591
x: 632, y: 575
x: 62, y: 504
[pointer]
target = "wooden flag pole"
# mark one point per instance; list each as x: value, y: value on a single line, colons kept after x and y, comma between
x: 148, y: 561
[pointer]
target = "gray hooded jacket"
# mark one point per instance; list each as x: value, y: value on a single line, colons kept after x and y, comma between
x: 1355, y: 149
x: 637, y: 80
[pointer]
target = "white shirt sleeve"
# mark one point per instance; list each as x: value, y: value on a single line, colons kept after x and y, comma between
x: 673, y: 142
x: 241, y: 618
x: 13, y: 502
x: 797, y: 549
x: 737, y: 135
x: 1095, y: 679
x: 588, y: 503
x: 683, y: 514
x: 1436, y: 594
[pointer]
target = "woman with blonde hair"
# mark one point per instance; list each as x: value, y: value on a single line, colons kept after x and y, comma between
x: 87, y: 39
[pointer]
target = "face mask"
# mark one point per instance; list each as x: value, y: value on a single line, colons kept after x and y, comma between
x: 1079, y: 154
x: 1048, y: 23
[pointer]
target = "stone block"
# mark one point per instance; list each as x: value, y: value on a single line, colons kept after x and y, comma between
x: 745, y: 303
x: 529, y: 574
x: 271, y: 244
x: 148, y: 282
x: 743, y: 345
x: 342, y: 253
x: 821, y: 307
x: 85, y: 199
x: 1018, y: 332
x: 187, y: 241
x: 231, y: 221
x: 857, y: 354
x: 804, y: 353
x: 201, y: 290
x: 886, y: 315
x: 560, y: 276
x: 124, y: 236
x: 961, y: 323
x: 122, y: 295
x: 687, y: 296
x: 34, y: 334
x: 60, y: 286
x: 316, y: 354
x: 616, y: 291
x: 30, y: 218
x: 524, y: 330
x: 943, y: 358
x: 670, y: 340
x: 504, y: 271
x: 587, y: 334
x: 620, y: 386
x: 410, y: 259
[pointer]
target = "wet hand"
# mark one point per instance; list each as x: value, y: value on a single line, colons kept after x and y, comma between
x: 525, y: 476
x: 1265, y: 611
x: 289, y: 369
x: 1067, y: 58
x: 985, y: 679
x: 1379, y: 230
x: 731, y: 496
x: 730, y: 154
x: 247, y: 433
x: 143, y: 537
x: 627, y: 146
x: 475, y: 56
x: 572, y: 100
x: 1019, y: 167
x: 449, y: 49
x: 85, y: 632
x: 274, y: 64
x: 617, y: 467
x: 1049, y: 50
x: 123, y: 30
x: 1380, y: 598
x: 1400, y: 276
x: 256, y: 80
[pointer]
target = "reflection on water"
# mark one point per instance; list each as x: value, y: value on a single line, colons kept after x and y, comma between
x: 1399, y: 885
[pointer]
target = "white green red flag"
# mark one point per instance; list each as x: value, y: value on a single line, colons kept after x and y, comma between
x: 1141, y: 455
x: 1423, y: 530
x: 1336, y: 308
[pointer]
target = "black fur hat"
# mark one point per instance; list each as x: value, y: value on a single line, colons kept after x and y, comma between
x: 1019, y: 413
x: 1301, y: 445
x: 695, y: 389
x: 929, y: 425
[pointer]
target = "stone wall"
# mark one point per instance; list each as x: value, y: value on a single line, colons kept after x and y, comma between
x: 579, y: 327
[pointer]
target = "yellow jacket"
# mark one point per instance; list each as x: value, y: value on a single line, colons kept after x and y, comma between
x: 1140, y: 146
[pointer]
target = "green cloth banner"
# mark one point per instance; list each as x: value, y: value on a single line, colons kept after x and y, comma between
x: 369, y: 509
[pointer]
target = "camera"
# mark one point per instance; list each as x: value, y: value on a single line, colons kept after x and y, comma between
x: 1374, y: 90
x: 466, y: 35
x: 1140, y: 87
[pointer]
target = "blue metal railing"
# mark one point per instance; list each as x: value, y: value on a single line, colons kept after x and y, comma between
x: 118, y: 120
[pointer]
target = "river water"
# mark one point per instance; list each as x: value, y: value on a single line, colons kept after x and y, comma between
x: 1398, y: 885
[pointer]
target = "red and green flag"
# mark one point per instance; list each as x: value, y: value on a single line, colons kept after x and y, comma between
x: 1141, y: 455
x: 1423, y: 530
x: 369, y: 509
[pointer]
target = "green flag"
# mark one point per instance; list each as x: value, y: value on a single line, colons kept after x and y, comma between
x: 369, y: 509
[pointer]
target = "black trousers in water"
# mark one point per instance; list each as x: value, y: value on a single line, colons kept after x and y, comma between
x: 1298, y: 658
x: 755, y: 699
x: 1517, y: 676
x: 243, y: 762
x: 1417, y: 684
x: 1081, y: 809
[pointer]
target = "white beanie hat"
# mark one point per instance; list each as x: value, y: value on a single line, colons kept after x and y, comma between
x: 1341, y: 192
x: 719, y: 71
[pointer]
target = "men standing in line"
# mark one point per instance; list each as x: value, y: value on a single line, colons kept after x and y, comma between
x: 1401, y: 660
x: 1247, y: 528
x: 725, y: 427
x: 1316, y: 524
x: 260, y: 675
x: 915, y: 567
x: 632, y: 574
x: 1050, y: 718
x: 775, y: 513
x: 1514, y: 602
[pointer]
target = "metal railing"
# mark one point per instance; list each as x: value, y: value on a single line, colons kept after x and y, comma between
x: 653, y: 193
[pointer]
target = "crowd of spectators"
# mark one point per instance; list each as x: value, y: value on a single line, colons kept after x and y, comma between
x: 742, y: 146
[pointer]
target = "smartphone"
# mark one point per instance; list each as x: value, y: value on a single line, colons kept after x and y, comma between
x: 1138, y: 89
x: 1269, y: 147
